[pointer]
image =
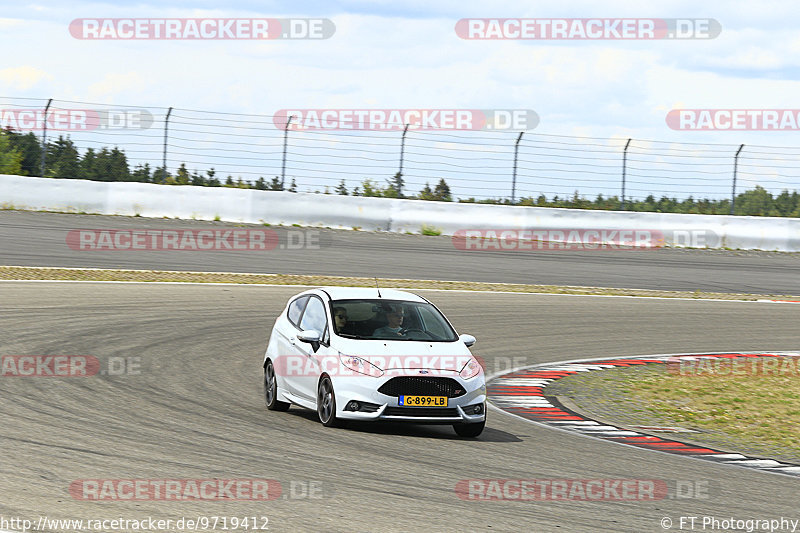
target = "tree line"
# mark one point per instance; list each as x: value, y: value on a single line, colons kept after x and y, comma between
x: 753, y: 202
x: 21, y: 154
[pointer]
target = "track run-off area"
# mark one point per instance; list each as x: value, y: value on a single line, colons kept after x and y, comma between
x: 178, y: 392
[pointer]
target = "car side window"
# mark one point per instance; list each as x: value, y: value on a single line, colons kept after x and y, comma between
x: 296, y: 309
x: 314, y: 317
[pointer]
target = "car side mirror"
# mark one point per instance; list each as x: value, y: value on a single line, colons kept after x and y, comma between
x: 309, y: 335
x: 468, y: 340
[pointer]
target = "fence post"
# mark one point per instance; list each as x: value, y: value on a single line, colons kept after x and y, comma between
x: 285, y: 140
x: 514, y: 174
x: 164, y: 159
x: 735, y: 168
x: 44, y: 137
x: 624, y: 170
x: 400, y: 171
x: 403, y: 147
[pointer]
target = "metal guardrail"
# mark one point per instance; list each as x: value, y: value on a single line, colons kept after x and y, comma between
x: 385, y: 214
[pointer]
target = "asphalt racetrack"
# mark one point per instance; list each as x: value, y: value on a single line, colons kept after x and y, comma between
x: 39, y: 239
x: 191, y: 408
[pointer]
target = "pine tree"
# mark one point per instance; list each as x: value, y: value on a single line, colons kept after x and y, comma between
x: 10, y: 157
x: 141, y: 173
x: 426, y: 193
x: 63, y: 159
x: 89, y: 167
x: 102, y: 162
x: 276, y: 184
x: 784, y: 203
x: 371, y: 188
x: 197, y: 180
x: 395, y: 189
x: 31, y: 150
x: 442, y: 191
x: 182, y: 177
x: 118, y: 166
x: 160, y: 175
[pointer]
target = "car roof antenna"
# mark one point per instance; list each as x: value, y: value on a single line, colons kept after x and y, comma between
x: 379, y: 289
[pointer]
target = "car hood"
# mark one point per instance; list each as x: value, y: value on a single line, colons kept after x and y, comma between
x: 407, y: 355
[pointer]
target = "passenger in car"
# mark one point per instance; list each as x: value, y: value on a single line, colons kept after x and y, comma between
x: 340, y: 319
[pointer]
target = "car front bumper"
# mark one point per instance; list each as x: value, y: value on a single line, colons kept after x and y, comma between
x: 365, y: 391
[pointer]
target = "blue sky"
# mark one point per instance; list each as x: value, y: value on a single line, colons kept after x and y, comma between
x: 407, y: 55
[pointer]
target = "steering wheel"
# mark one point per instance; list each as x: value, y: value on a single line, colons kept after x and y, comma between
x: 416, y: 330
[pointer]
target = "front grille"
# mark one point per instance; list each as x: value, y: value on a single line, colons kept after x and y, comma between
x: 422, y: 412
x: 368, y: 407
x: 422, y: 386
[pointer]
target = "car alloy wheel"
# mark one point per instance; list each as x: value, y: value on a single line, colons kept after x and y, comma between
x: 271, y: 390
x: 326, y: 403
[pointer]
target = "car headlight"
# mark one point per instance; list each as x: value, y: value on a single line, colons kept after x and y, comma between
x: 471, y: 369
x: 360, y: 365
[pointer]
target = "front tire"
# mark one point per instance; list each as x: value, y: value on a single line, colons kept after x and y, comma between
x: 326, y: 404
x: 469, y: 430
x: 271, y: 390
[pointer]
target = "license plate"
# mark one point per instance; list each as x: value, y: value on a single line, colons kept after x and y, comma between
x: 423, y: 401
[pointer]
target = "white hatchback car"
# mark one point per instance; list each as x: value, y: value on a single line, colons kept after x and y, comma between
x: 373, y: 354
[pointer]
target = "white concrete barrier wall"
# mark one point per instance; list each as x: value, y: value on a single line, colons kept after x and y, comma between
x: 277, y: 207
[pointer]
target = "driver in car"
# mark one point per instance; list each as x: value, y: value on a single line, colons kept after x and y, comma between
x: 394, y: 327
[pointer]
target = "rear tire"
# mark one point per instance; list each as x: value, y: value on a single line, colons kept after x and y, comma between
x: 326, y: 404
x: 271, y: 390
x: 469, y: 430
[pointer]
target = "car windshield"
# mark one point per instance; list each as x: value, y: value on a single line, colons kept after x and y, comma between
x: 395, y: 320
